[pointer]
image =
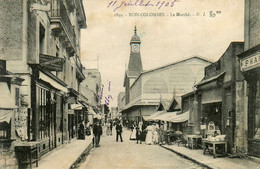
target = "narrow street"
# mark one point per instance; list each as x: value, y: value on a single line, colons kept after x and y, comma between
x: 128, y: 154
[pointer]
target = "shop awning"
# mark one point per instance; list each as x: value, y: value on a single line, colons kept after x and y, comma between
x: 202, y: 82
x: 178, y: 118
x: 52, y: 82
x: 165, y: 116
x: 6, y: 115
x: 150, y: 118
x: 77, y: 106
x: 91, y: 111
x: 211, y: 96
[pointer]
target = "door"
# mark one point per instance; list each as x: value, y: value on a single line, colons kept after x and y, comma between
x: 52, y: 130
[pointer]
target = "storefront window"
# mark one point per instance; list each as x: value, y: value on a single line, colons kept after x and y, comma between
x: 5, y: 130
x: 59, y: 109
x: 43, y: 119
x: 257, y: 112
x: 212, y: 112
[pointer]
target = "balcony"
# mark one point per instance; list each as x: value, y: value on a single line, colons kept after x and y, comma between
x: 79, y: 73
x: 62, y: 27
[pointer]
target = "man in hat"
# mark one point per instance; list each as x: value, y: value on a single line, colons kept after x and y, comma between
x: 97, y: 132
x: 119, y: 131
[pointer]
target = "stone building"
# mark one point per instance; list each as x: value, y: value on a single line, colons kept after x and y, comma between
x: 121, y: 100
x: 91, y: 89
x: 145, y: 89
x: 216, y: 98
x: 92, y: 85
x: 248, y: 120
x: 40, y: 40
x: 13, y: 115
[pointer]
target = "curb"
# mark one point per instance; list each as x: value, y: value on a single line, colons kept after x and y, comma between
x: 82, y: 156
x: 188, y: 158
x: 254, y: 159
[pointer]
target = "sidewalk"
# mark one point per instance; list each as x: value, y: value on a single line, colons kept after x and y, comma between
x: 65, y: 156
x: 210, y: 162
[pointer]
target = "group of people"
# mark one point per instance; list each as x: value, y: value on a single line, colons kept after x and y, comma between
x: 83, y: 130
x: 97, y: 131
x: 150, y: 133
x: 109, y: 128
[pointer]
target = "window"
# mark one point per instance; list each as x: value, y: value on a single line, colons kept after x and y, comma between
x: 43, y: 116
x: 42, y: 39
x: 59, y: 110
x: 5, y: 124
x: 5, y: 130
x: 17, y: 96
x: 257, y: 112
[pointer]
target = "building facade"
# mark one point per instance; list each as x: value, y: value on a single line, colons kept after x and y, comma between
x: 91, y: 90
x: 250, y: 66
x: 216, y: 98
x: 41, y: 44
x: 145, y: 89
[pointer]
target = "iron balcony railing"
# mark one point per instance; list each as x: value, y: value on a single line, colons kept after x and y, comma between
x: 60, y: 14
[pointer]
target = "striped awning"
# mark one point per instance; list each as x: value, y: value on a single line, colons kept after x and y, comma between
x: 6, y: 115
x: 152, y: 116
x: 179, y: 118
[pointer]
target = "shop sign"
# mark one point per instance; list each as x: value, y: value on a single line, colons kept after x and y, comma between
x: 52, y: 63
x: 250, y: 62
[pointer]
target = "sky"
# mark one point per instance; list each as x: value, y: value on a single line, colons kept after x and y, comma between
x: 164, y: 39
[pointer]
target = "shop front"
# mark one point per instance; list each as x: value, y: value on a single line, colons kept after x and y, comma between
x: 215, y: 103
x: 46, y: 119
x: 250, y: 66
x: 211, y: 105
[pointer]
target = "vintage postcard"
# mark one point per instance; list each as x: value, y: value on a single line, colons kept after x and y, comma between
x: 120, y: 84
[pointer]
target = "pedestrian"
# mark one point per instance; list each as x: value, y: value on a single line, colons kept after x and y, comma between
x: 119, y: 131
x: 107, y: 128
x: 161, y: 133
x: 155, y: 133
x: 139, y: 133
x: 88, y: 132
x: 97, y: 132
x: 149, y: 135
x: 81, y: 132
x: 133, y: 133
x: 111, y: 127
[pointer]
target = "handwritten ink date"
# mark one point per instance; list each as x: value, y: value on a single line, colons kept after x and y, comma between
x: 108, y: 99
x: 117, y: 4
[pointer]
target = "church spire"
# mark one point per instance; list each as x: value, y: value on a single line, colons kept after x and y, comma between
x: 135, y: 31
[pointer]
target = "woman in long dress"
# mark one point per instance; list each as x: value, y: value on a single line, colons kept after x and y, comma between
x: 133, y: 133
x: 107, y: 128
x: 149, y: 135
x: 155, y: 133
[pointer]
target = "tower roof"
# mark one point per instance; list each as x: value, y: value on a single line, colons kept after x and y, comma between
x: 135, y: 66
x: 135, y: 37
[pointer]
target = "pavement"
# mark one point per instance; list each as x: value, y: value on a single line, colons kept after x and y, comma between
x: 143, y: 155
x: 207, y: 160
x: 66, y: 155
x: 129, y: 155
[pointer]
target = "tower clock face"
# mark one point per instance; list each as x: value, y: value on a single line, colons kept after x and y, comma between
x: 135, y: 48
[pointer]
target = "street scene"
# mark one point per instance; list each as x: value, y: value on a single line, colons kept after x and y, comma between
x: 120, y: 84
x: 128, y: 154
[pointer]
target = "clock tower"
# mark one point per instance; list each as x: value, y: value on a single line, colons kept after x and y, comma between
x: 135, y: 67
x: 135, y: 62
